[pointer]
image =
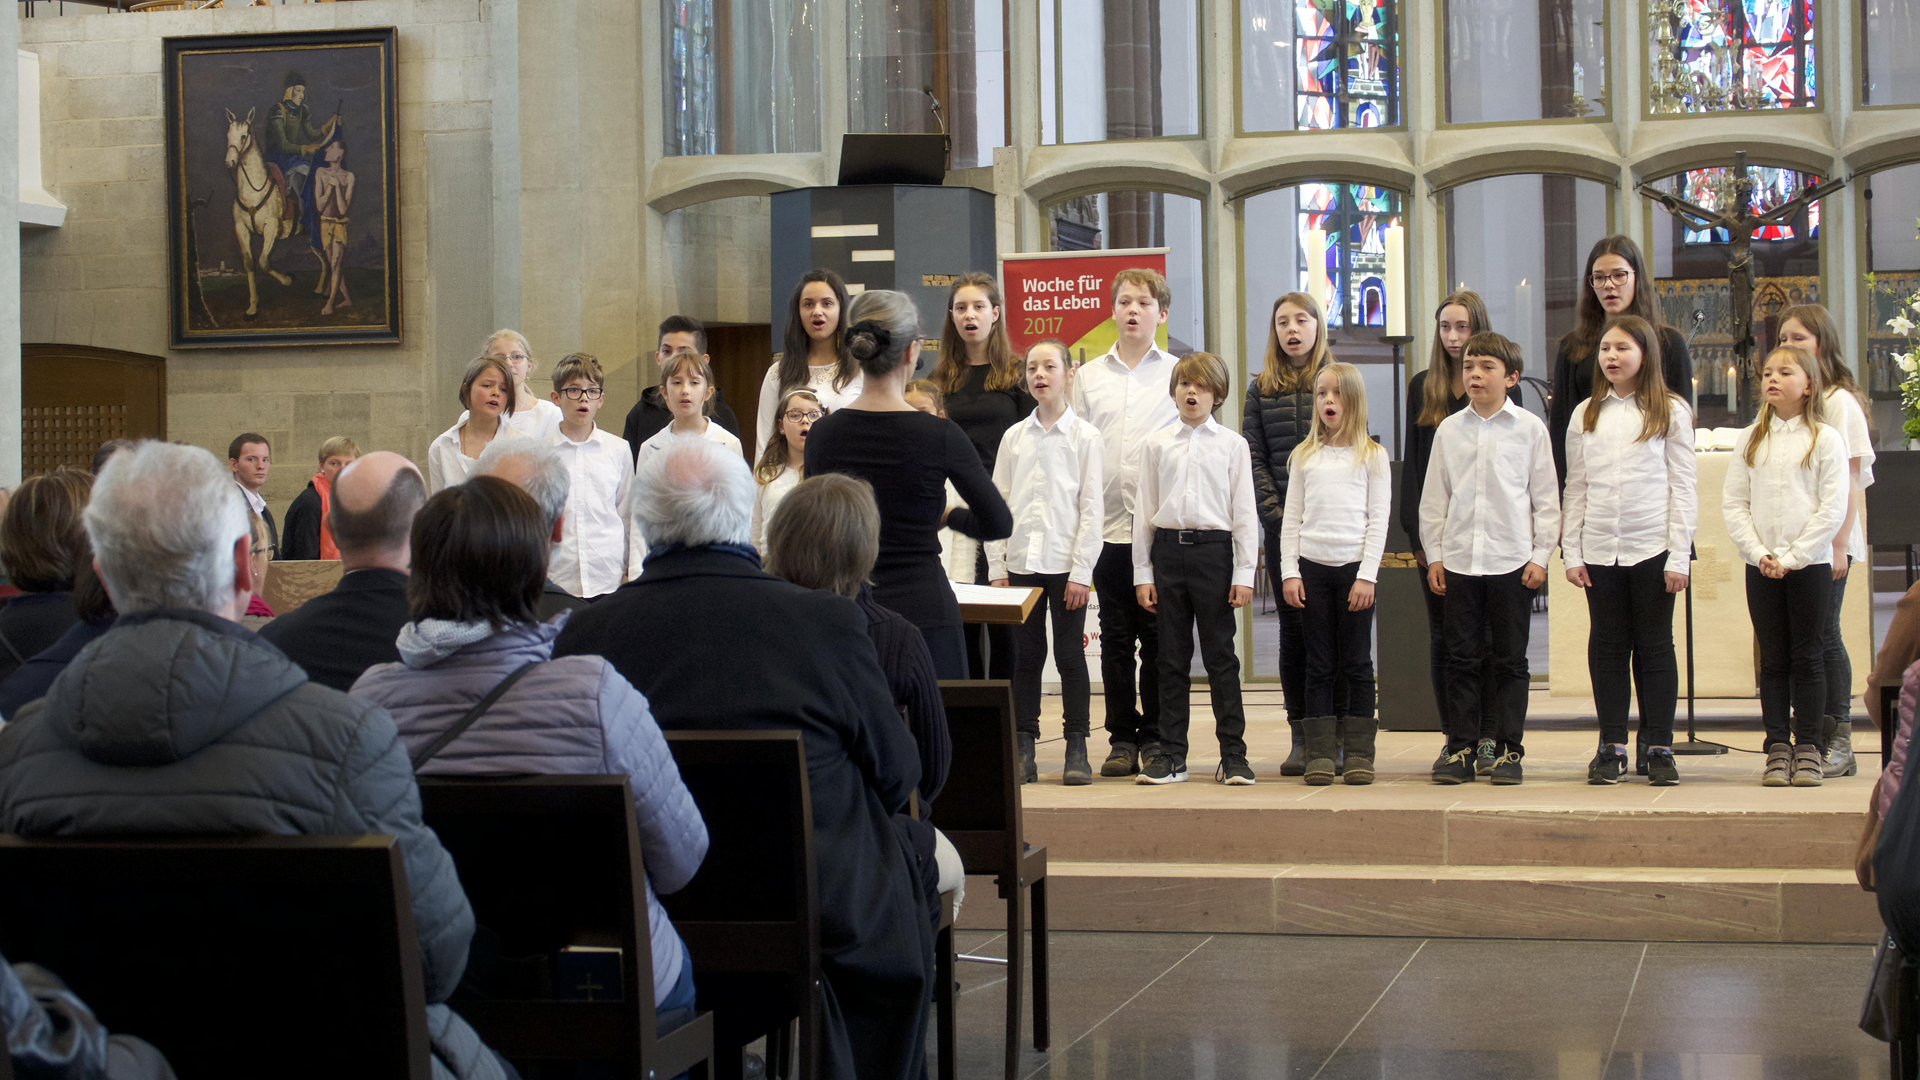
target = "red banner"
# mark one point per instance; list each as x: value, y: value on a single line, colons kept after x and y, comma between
x: 1068, y: 295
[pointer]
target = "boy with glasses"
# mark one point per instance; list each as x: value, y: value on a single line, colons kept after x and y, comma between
x: 592, y: 541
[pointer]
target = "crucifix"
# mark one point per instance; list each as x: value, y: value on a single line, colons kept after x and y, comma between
x: 1740, y: 220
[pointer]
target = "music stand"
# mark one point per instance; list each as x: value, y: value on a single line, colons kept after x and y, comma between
x: 889, y: 158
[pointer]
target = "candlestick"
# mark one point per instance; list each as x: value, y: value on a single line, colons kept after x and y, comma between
x: 1396, y: 280
x: 1317, y: 269
x: 1523, y: 317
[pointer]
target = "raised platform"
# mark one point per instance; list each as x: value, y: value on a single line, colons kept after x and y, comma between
x: 1717, y: 858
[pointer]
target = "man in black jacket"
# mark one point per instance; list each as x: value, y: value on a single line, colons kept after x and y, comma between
x: 341, y: 634
x: 702, y: 596
x: 650, y: 413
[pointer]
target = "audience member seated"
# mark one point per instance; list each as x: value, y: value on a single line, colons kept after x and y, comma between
x: 715, y: 642
x: 258, y: 612
x: 47, y: 1032
x: 41, y: 542
x: 537, y: 468
x: 1898, y: 651
x: 479, y: 560
x: 178, y: 720
x: 106, y: 450
x: 304, y: 536
x: 339, y: 635
x: 94, y: 610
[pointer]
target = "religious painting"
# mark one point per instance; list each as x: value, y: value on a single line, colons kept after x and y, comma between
x: 283, y: 206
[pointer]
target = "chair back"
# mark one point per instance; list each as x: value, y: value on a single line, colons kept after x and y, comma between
x: 296, y: 953
x: 550, y: 862
x: 750, y: 917
x: 1893, y: 502
x: 979, y: 808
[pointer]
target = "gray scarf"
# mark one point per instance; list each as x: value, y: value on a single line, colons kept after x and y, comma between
x: 429, y: 641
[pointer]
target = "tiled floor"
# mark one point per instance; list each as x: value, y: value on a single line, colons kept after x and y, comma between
x: 1222, y: 1007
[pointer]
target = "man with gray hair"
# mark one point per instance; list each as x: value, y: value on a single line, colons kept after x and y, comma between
x: 713, y: 641
x: 536, y: 468
x: 179, y: 720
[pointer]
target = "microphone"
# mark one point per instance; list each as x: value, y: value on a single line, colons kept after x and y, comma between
x: 1698, y: 318
x: 940, y: 117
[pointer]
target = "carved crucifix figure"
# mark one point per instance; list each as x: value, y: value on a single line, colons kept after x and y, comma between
x: 1741, y: 222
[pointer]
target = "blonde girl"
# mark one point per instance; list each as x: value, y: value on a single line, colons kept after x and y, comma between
x: 532, y: 414
x: 1277, y: 418
x: 782, y: 463
x: 1785, y: 496
x: 1627, y: 535
x: 1808, y: 326
x: 1332, y: 533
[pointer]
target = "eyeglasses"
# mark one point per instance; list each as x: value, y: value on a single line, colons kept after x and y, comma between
x: 576, y: 393
x: 261, y: 550
x: 1618, y: 277
x: 515, y: 357
x: 799, y: 417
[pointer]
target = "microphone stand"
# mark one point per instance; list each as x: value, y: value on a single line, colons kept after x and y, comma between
x: 940, y: 117
x: 1695, y: 746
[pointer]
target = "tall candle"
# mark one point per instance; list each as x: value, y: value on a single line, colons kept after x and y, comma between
x: 1396, y: 280
x: 1523, y: 320
x: 1317, y: 266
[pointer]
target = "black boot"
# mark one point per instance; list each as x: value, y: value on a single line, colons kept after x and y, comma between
x: 1296, y: 763
x: 1322, y: 744
x: 1356, y: 739
x: 1339, y: 746
x: 1029, y: 772
x: 1077, y: 772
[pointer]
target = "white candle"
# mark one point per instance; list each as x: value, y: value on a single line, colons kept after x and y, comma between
x: 1396, y: 280
x: 1523, y: 319
x: 1317, y: 266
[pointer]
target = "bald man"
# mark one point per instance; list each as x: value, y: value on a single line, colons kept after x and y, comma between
x: 338, y: 636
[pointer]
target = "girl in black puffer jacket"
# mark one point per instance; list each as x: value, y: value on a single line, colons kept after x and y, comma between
x: 1279, y: 416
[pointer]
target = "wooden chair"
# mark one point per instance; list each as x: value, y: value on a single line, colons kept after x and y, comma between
x: 750, y: 917
x: 296, y: 953
x: 979, y: 810
x: 945, y: 1001
x: 553, y: 861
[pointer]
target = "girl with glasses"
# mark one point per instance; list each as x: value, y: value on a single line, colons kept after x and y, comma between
x: 784, y: 458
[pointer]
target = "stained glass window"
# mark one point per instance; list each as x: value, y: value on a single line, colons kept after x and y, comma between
x: 1119, y: 69
x: 1316, y: 65
x: 1510, y: 60
x: 1713, y: 55
x: 1354, y: 218
x: 1771, y: 187
x: 741, y: 76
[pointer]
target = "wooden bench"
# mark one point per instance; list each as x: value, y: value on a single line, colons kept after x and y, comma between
x: 550, y: 862
x: 296, y: 953
x: 979, y: 810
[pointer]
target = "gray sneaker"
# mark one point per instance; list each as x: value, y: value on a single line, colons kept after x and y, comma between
x: 1779, y: 766
x: 1807, y: 769
x: 1839, y: 760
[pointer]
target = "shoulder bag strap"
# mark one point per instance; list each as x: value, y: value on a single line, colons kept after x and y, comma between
x: 461, y: 725
x: 18, y: 660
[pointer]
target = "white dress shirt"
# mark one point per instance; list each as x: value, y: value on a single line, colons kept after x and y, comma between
x: 1628, y: 500
x: 538, y: 422
x: 1780, y: 507
x: 1127, y: 406
x: 819, y: 380
x: 1052, y: 479
x: 1844, y: 413
x: 1336, y: 511
x: 657, y: 444
x: 591, y: 558
x: 254, y: 499
x: 767, y: 500
x: 446, y: 465
x: 1196, y: 477
x: 1491, y: 504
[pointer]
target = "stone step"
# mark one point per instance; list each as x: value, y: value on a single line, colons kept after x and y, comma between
x: 1494, y: 901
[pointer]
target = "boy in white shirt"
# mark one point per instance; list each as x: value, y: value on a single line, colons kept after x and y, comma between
x: 1490, y: 517
x: 1123, y: 393
x: 1196, y: 537
x: 1049, y: 469
x: 591, y: 558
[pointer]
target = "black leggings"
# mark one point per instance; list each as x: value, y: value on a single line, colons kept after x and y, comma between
x: 1069, y: 657
x: 1339, y: 642
x: 1789, y: 620
x: 1632, y: 632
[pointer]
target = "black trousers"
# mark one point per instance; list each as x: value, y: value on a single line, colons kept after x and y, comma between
x: 1631, y: 613
x: 1487, y: 621
x: 1789, y: 622
x: 1293, y: 647
x: 1839, y: 665
x: 1193, y: 582
x: 1439, y: 664
x: 1125, y: 625
x: 1069, y: 657
x: 1339, y: 642
x: 991, y: 652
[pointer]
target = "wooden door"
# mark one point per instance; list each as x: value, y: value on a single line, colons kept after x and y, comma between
x: 75, y: 397
x: 740, y: 358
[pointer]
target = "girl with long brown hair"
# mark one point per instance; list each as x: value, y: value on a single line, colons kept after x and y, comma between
x: 1627, y: 535
x: 814, y: 355
x: 1615, y: 282
x: 1809, y: 327
x: 1278, y: 417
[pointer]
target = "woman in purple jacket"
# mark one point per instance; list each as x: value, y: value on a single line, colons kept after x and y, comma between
x: 479, y: 564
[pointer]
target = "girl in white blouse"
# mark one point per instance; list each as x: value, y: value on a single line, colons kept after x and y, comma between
x: 1628, y: 515
x: 1809, y: 327
x: 814, y: 355
x: 1332, y: 533
x: 783, y: 459
x: 1785, y: 496
x: 486, y: 393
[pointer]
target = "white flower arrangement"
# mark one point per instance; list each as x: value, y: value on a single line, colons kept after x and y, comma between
x: 1909, y: 364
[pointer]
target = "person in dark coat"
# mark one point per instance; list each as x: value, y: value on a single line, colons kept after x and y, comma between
x: 713, y: 641
x: 1615, y: 283
x: 337, y: 636
x: 42, y: 542
x: 536, y: 468
x: 650, y: 413
x: 94, y: 610
x: 180, y: 721
x: 302, y: 535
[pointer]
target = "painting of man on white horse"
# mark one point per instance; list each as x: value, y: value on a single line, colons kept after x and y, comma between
x: 258, y: 205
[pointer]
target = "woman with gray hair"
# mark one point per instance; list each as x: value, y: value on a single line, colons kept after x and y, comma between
x: 908, y: 456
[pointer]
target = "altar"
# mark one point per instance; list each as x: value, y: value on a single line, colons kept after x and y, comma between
x: 1724, y: 662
